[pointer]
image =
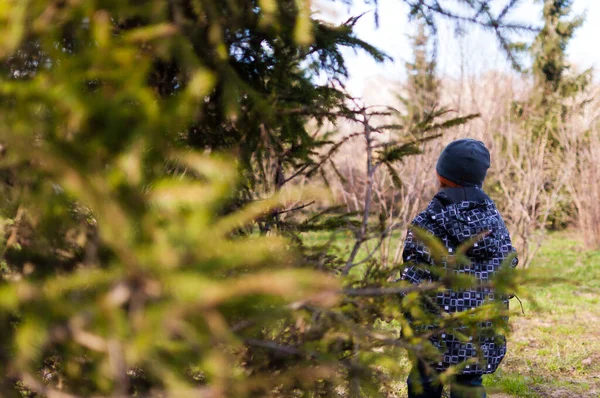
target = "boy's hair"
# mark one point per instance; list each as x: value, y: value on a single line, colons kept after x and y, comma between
x: 447, y: 183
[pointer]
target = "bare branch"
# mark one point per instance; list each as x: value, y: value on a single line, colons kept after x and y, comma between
x: 296, y: 208
x: 387, y: 291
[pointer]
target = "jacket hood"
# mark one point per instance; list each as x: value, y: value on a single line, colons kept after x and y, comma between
x: 463, y: 213
x: 449, y: 196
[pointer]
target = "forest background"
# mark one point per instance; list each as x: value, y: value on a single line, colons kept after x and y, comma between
x: 194, y: 205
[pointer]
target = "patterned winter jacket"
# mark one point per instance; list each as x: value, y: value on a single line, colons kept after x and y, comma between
x: 454, y: 216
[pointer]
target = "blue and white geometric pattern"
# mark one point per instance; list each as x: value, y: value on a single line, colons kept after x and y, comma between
x: 456, y: 215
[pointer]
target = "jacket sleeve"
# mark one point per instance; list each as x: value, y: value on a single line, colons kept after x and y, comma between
x: 511, y: 253
x: 515, y: 260
x: 416, y: 259
x: 508, y: 249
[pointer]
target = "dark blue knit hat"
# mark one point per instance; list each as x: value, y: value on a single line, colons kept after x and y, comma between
x: 464, y: 162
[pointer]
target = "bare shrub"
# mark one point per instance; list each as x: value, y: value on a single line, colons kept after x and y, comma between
x: 585, y: 189
x: 528, y: 179
x: 580, y: 140
x: 528, y: 184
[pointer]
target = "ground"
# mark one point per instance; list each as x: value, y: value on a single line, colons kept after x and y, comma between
x: 554, y: 349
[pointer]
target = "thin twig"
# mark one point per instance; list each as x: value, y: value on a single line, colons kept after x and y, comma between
x: 361, y: 233
x: 296, y: 208
x: 386, y: 291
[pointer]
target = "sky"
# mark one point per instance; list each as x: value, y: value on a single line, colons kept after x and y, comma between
x: 480, y: 50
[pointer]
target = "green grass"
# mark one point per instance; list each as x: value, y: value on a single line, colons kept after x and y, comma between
x: 511, y: 384
x: 341, y: 244
x: 554, y: 349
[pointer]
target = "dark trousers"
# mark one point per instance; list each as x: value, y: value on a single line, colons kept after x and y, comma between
x: 464, y: 386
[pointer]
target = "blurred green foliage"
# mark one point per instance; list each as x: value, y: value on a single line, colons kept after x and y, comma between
x: 119, y: 275
x: 130, y: 261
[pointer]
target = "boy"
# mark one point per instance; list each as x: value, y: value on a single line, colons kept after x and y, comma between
x: 457, y: 213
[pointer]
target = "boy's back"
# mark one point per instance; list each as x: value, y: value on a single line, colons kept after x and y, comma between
x: 459, y: 212
x: 454, y: 216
